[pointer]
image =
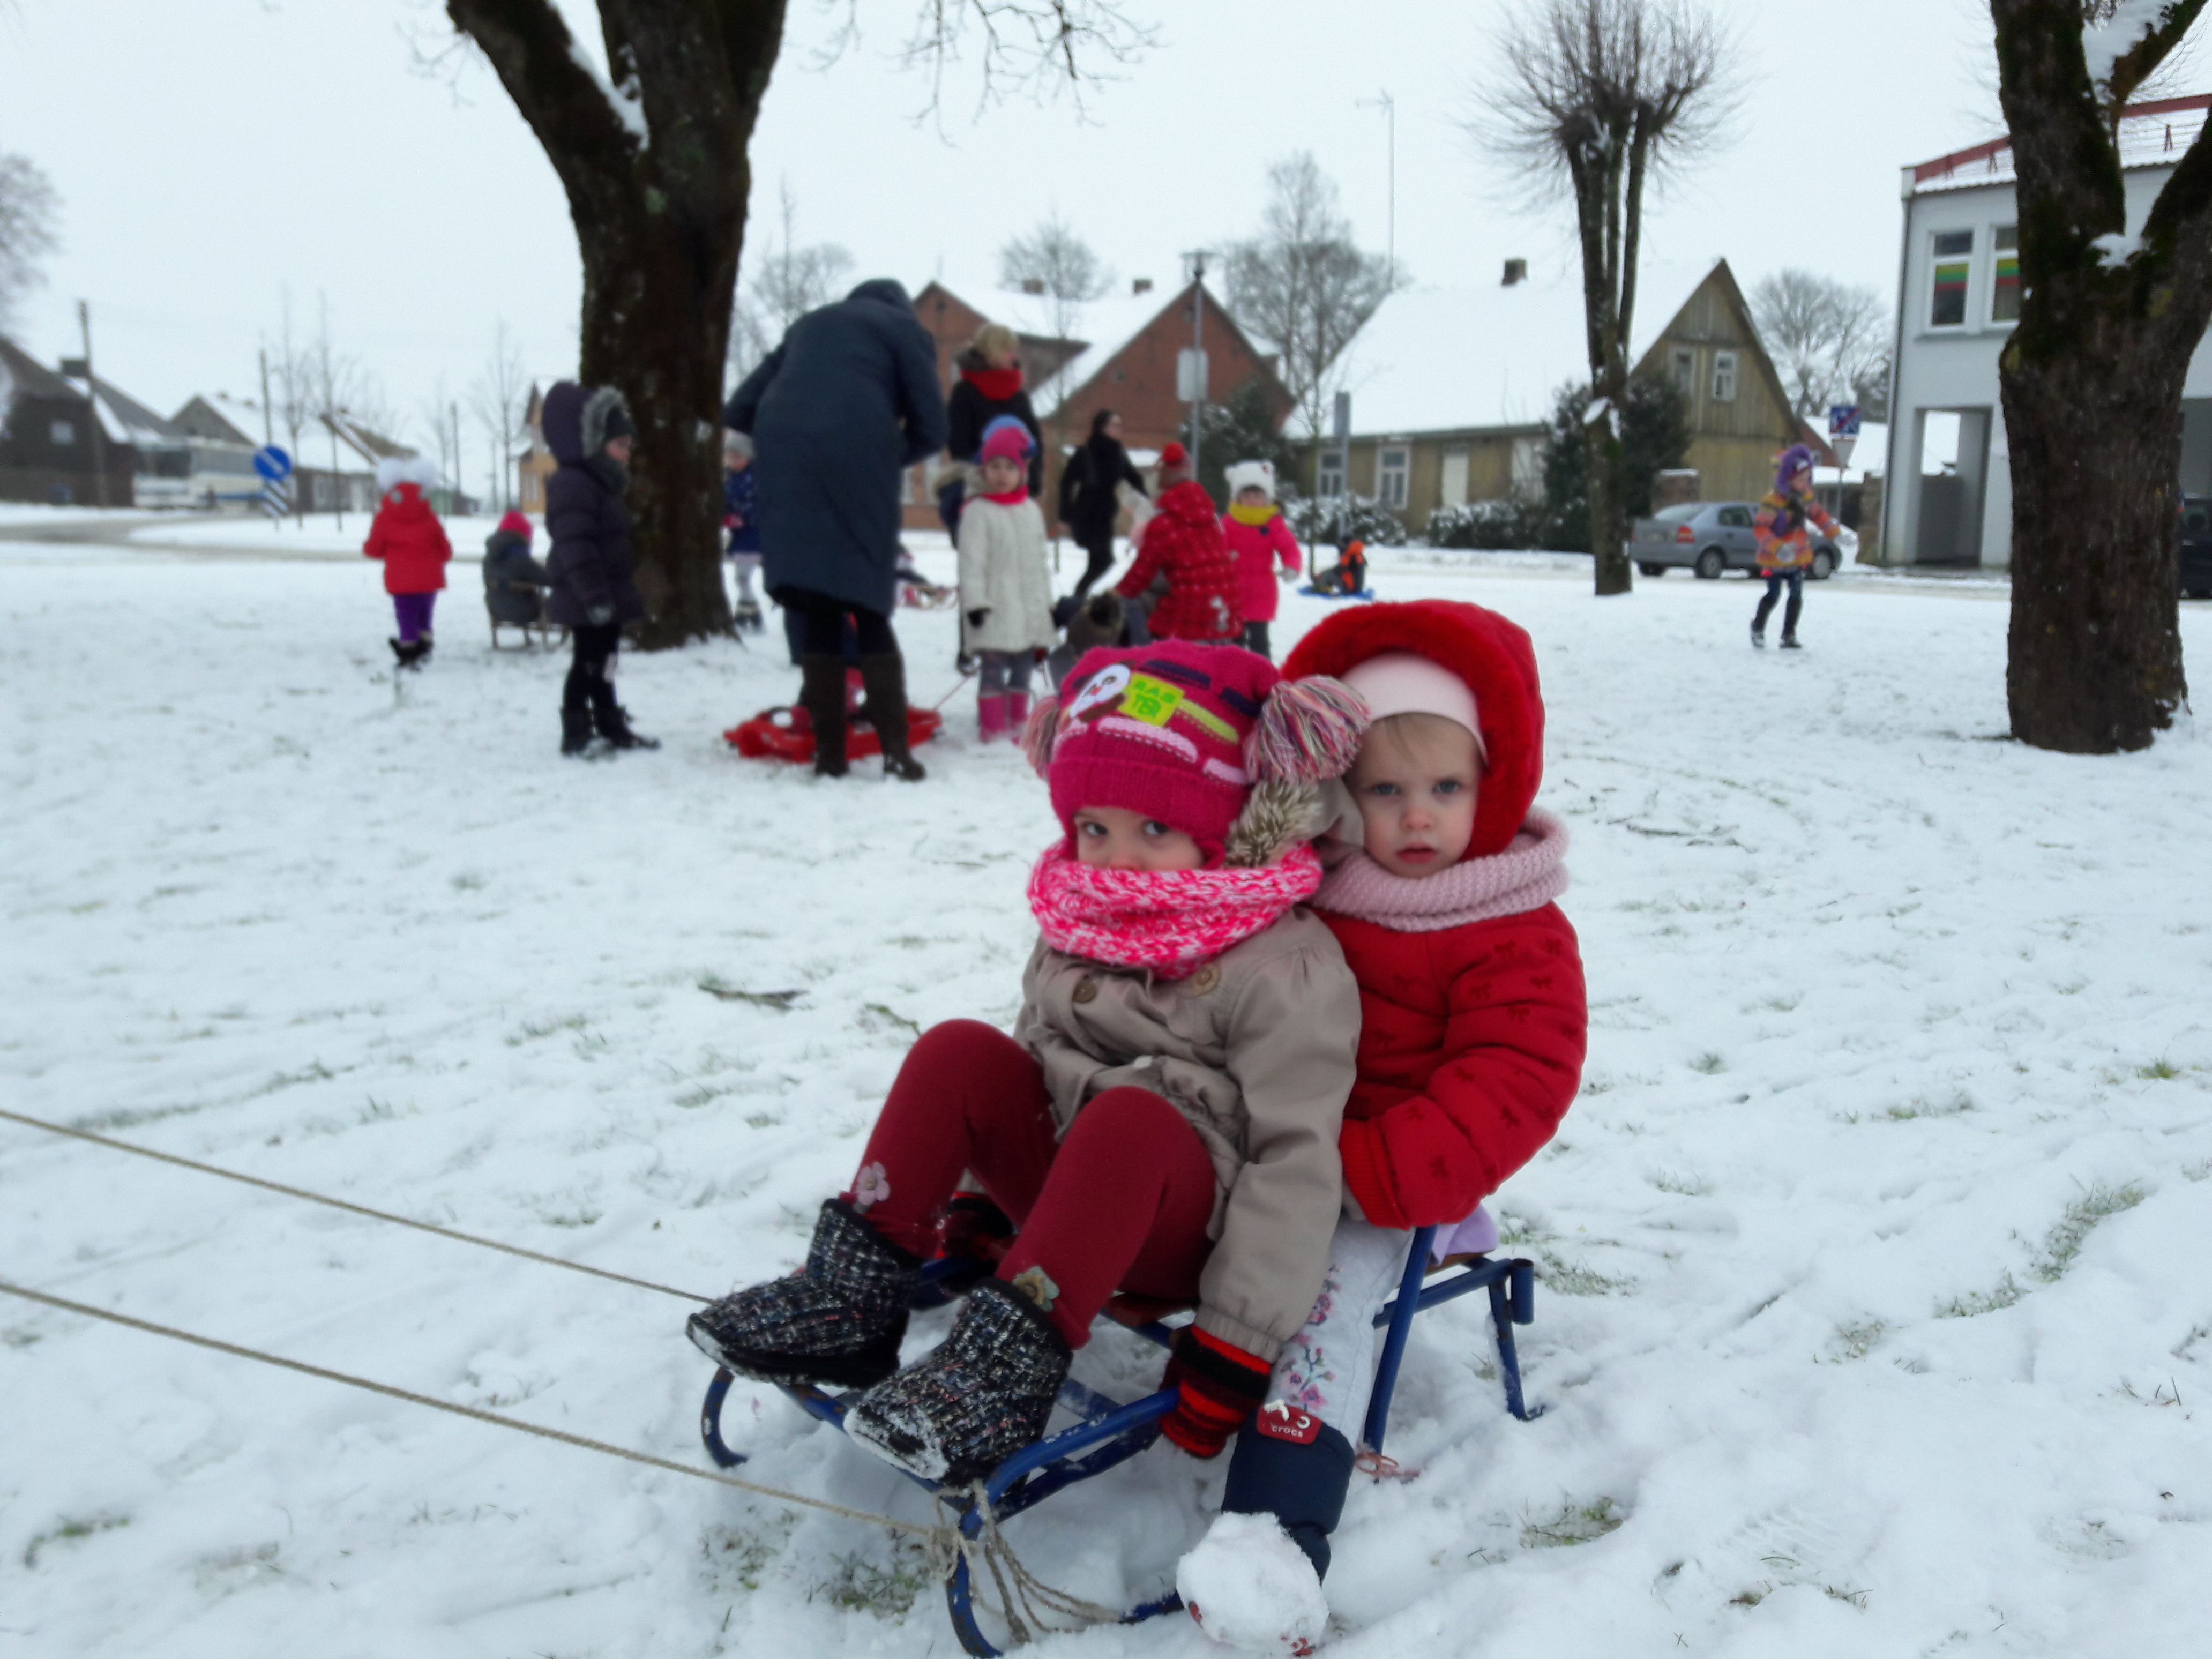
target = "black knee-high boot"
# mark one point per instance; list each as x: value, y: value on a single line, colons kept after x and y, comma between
x: 822, y: 694
x: 883, y: 681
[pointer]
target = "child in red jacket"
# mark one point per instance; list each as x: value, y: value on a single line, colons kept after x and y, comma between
x: 1258, y: 538
x: 1182, y: 541
x: 1473, y: 1025
x: 407, y: 537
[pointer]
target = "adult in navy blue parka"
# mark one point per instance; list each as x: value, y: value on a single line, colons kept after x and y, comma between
x: 589, y: 569
x: 838, y: 412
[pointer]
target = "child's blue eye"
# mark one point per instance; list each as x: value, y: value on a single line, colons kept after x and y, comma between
x: 1449, y: 787
x: 1154, y: 827
x: 1383, y: 789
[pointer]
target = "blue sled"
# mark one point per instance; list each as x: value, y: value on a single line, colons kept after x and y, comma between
x: 1111, y: 1433
x: 1315, y: 593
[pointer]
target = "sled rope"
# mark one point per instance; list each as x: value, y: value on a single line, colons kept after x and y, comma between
x: 1020, y: 1591
x: 238, y: 1351
x: 943, y: 1541
x: 341, y: 1204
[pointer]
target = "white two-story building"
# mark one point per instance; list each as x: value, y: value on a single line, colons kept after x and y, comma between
x: 1949, y: 496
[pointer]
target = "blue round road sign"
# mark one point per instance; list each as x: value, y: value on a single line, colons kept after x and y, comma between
x: 272, y: 462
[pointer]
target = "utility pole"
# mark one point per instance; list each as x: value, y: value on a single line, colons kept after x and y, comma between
x: 92, y: 403
x: 1388, y: 106
x: 1198, y: 258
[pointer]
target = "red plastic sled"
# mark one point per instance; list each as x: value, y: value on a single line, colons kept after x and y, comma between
x: 789, y: 734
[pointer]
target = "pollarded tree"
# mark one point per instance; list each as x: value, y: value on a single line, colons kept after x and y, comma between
x: 654, y: 162
x: 1601, y: 100
x: 29, y: 210
x: 2091, y: 376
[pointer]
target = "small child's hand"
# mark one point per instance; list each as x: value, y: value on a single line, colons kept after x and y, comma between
x: 1222, y: 1386
x: 975, y: 616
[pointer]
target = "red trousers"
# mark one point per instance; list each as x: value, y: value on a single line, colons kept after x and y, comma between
x: 1122, y: 1203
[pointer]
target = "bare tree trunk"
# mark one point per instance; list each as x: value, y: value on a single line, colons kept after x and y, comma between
x: 659, y: 223
x: 2092, y: 382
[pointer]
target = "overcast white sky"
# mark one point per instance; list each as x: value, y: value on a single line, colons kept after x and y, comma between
x: 210, y: 155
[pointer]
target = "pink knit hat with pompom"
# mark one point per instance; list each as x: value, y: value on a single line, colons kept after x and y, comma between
x: 1184, y: 733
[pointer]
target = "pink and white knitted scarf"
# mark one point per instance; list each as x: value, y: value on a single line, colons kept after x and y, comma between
x: 1527, y: 875
x: 1171, y: 922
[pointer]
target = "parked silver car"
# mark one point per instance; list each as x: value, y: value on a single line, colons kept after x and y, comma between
x: 1710, y: 537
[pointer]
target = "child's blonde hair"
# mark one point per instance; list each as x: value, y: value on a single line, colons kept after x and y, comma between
x: 1416, y: 735
x: 993, y: 338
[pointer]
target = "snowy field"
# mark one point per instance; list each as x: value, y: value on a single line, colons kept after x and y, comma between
x: 1876, y: 1313
x: 333, y: 533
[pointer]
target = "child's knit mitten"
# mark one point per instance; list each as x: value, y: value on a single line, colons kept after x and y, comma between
x: 1222, y: 1385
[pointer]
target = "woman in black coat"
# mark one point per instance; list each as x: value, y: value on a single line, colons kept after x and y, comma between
x: 837, y: 412
x: 989, y: 386
x: 1090, y: 500
x: 590, y: 570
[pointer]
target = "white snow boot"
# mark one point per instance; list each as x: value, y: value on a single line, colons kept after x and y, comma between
x: 1250, y: 1586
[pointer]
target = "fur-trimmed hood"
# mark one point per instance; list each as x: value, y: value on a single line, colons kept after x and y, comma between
x: 1496, y: 660
x: 575, y: 419
x: 393, y: 471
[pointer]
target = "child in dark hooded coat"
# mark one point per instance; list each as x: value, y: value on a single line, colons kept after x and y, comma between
x: 593, y: 577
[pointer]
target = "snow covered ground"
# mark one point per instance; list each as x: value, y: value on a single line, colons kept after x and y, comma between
x: 319, y: 532
x: 1876, y: 1316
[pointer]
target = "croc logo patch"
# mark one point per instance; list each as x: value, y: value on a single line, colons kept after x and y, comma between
x: 1278, y: 1419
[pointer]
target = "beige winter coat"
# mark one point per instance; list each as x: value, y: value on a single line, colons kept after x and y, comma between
x: 1003, y: 569
x: 1255, y: 1050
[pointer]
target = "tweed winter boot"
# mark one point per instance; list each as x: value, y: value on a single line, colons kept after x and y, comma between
x: 839, y: 1320
x: 882, y: 680
x: 984, y: 1393
x: 822, y: 694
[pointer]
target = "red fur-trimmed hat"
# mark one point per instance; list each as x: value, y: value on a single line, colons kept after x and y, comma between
x: 1493, y: 656
x: 1185, y: 733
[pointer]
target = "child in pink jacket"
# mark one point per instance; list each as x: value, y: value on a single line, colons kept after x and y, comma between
x: 1258, y: 537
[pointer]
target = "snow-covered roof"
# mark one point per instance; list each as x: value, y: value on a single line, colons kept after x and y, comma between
x: 221, y: 418
x: 124, y: 420
x: 2156, y: 134
x: 1442, y: 359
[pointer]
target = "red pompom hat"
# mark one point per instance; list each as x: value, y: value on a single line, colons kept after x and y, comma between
x: 1183, y: 733
x: 1497, y: 660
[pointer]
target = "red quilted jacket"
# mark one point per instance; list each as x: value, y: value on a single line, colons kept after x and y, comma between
x: 1183, y: 542
x: 1471, y: 1043
x: 407, y: 535
x: 1472, y: 1038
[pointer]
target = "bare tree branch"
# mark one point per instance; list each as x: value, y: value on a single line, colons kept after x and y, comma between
x: 498, y: 397
x: 1037, y: 48
x: 1824, y: 335
x: 30, y: 211
x: 1052, y: 261
x: 1303, y: 286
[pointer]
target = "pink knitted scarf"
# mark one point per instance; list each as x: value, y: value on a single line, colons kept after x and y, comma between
x: 1170, y: 922
x: 1527, y: 875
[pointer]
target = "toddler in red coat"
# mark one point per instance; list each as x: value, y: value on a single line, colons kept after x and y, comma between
x: 1473, y: 1025
x: 408, y: 538
x: 1182, y: 546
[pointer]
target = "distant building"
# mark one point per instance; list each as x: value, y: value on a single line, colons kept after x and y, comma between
x: 1453, y: 390
x: 1949, y: 499
x: 52, y: 447
x: 1128, y: 363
